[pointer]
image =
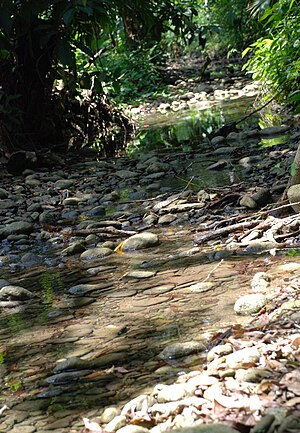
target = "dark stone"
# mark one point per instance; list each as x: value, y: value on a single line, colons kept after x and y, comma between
x: 20, y: 161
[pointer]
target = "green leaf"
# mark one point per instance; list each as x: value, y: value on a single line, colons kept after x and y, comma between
x: 246, y: 50
x: 68, y: 16
x: 84, y: 2
x: 293, y: 169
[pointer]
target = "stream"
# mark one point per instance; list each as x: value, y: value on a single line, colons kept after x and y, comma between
x: 108, y: 318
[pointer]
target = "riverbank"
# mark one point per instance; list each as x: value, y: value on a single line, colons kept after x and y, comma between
x: 101, y: 277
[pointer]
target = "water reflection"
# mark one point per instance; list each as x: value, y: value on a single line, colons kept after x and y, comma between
x: 188, y: 128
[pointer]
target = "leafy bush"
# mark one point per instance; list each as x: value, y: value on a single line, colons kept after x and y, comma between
x: 275, y: 60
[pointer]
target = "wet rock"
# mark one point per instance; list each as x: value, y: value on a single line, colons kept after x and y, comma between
x: 97, y: 211
x: 219, y: 139
x: 250, y: 304
x: 82, y: 289
x: 15, y: 293
x: 140, y: 241
x: 49, y: 217
x: 66, y: 377
x: 63, y: 183
x: 177, y: 350
x: 3, y: 283
x: 75, y: 248
x: 126, y: 174
x: 30, y: 259
x: 293, y: 194
x: 73, y: 363
x: 275, y: 130
x: 3, y: 193
x: 262, y: 197
x: 139, y: 274
x: 17, y: 227
x: 249, y: 161
x: 32, y: 183
x: 95, y: 253
x: 157, y: 167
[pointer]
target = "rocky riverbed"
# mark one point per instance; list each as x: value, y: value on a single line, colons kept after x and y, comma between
x: 109, y: 312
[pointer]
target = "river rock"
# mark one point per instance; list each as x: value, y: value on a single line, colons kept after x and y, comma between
x: 66, y: 377
x: 76, y: 247
x: 15, y: 293
x: 262, y: 197
x: 95, y: 253
x: 133, y: 429
x: 82, y: 289
x: 175, y: 392
x: 17, y: 227
x: 109, y: 414
x: 97, y: 211
x: 72, y: 363
x: 293, y: 194
x: 63, y: 183
x: 3, y: 283
x: 220, y: 350
x: 139, y: 274
x: 167, y: 219
x: 208, y: 428
x: 49, y: 217
x: 126, y: 174
x: 275, y: 130
x: 250, y: 304
x: 242, y: 357
x: 252, y: 374
x: 177, y: 350
x: 219, y: 139
x: 260, y: 282
x: 116, y: 423
x: 248, y: 202
x: 3, y: 193
x: 140, y: 241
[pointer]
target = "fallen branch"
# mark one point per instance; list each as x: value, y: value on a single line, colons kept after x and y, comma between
x: 223, y: 231
x: 104, y: 232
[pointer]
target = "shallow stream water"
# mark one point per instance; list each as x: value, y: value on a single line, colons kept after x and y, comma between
x: 120, y: 325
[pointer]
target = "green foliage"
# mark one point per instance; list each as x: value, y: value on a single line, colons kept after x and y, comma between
x: 231, y: 26
x: 275, y: 60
